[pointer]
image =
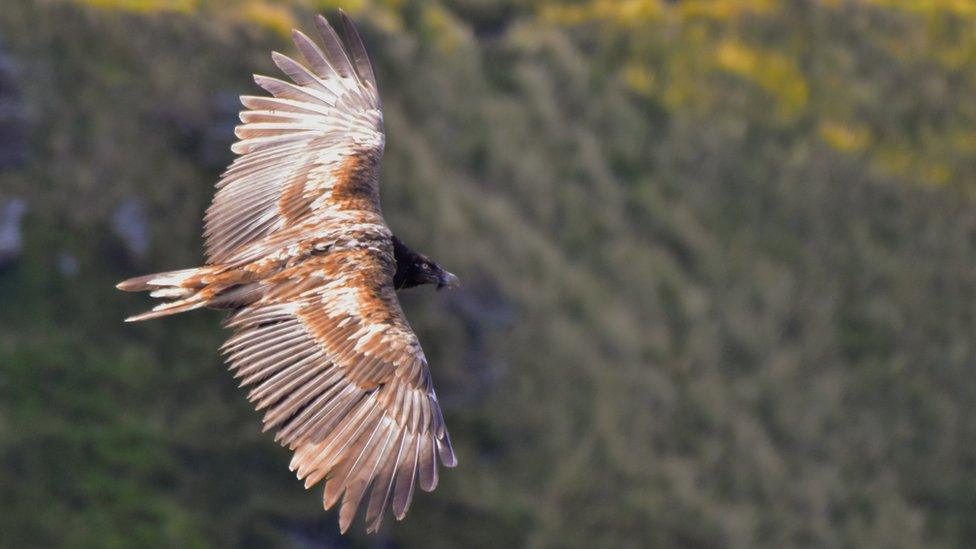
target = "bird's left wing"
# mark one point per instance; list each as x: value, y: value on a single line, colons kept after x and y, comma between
x: 309, y: 153
x: 341, y: 376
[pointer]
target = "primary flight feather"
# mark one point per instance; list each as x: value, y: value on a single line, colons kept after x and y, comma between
x: 298, y: 251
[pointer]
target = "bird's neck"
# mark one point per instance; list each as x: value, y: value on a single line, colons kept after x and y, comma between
x: 404, y: 257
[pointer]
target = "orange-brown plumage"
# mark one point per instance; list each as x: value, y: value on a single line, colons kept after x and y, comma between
x: 351, y: 190
x: 298, y: 251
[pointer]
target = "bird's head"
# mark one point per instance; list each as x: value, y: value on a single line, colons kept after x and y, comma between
x: 415, y: 269
x: 425, y: 271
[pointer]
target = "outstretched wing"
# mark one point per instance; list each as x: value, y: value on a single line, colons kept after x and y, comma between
x: 325, y: 348
x: 342, y: 378
x: 309, y: 154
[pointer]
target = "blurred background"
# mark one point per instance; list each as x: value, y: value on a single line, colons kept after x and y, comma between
x: 719, y: 266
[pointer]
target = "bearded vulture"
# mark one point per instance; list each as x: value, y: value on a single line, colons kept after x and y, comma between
x: 299, y: 254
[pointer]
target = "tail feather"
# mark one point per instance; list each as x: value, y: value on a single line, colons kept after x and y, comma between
x: 171, y: 284
x: 171, y: 308
x: 146, y: 282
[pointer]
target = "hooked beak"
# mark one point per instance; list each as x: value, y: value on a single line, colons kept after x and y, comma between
x: 448, y: 280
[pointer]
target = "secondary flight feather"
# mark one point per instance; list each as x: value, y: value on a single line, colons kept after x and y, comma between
x: 299, y: 253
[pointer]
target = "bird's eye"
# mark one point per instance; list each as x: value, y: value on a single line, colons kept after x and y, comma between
x: 425, y: 266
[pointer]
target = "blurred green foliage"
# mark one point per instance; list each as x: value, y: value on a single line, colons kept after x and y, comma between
x: 719, y: 262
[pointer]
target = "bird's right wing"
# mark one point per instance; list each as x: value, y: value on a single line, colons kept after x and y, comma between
x: 309, y: 153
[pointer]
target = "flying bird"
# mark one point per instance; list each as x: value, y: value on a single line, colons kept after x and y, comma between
x: 299, y: 254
